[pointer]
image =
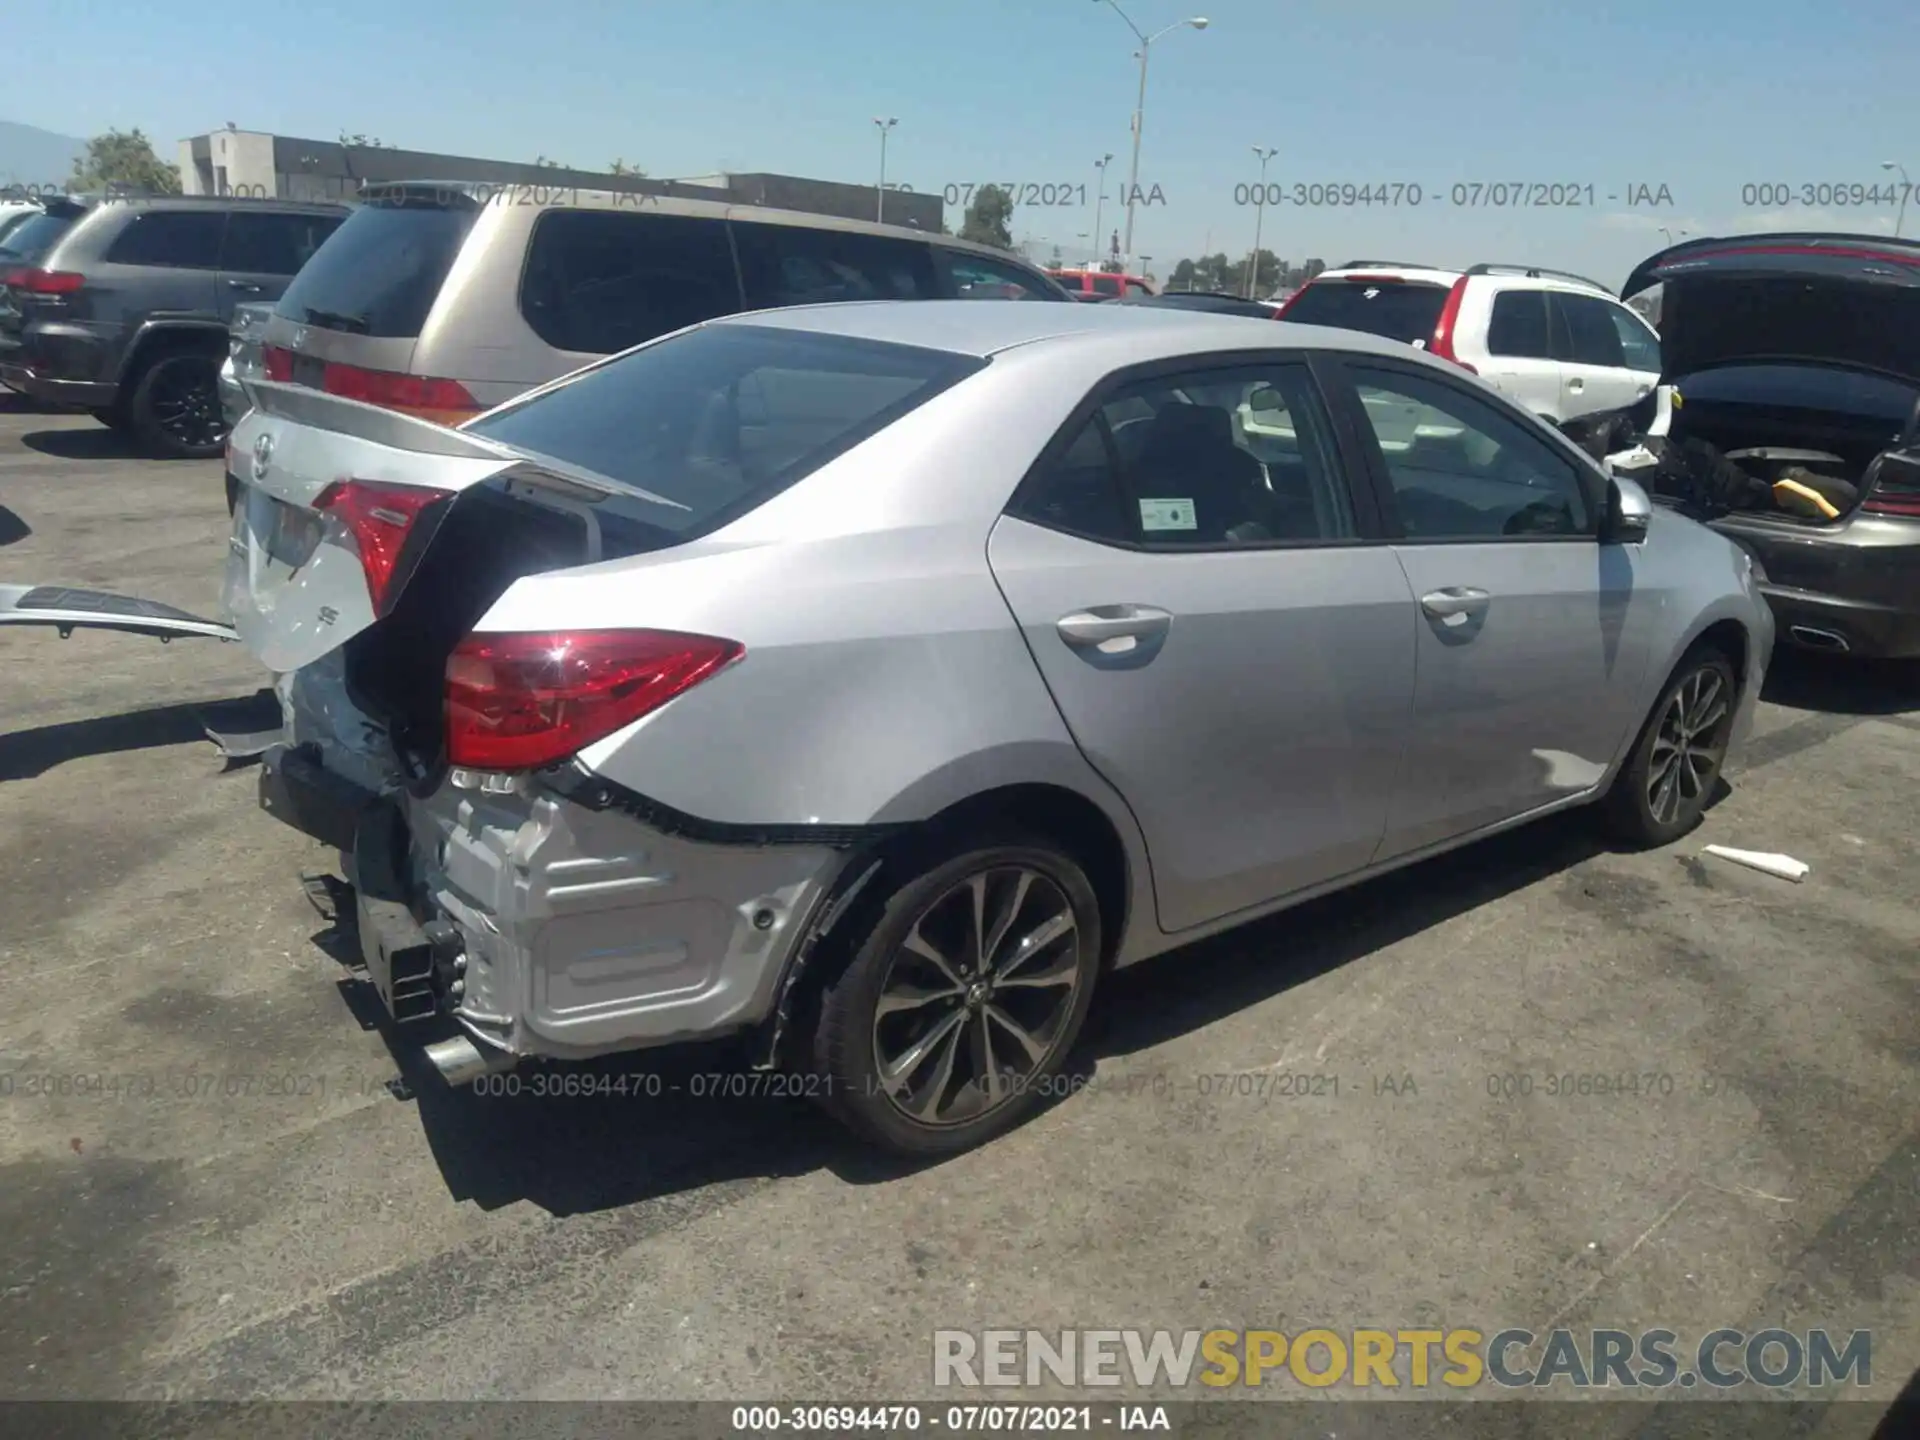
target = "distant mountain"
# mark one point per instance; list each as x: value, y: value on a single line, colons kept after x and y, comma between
x: 32, y: 156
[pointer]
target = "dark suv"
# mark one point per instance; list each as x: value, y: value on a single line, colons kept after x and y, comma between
x: 120, y: 306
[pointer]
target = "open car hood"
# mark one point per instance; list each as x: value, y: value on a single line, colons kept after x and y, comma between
x: 1851, y: 300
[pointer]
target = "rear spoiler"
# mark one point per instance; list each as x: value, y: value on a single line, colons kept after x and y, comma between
x: 399, y: 431
x: 1771, y: 253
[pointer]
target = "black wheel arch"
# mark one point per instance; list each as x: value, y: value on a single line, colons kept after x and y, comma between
x: 155, y: 338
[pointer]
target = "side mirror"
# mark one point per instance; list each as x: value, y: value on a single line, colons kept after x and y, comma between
x: 1629, y: 513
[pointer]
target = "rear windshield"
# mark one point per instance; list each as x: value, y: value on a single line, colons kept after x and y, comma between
x: 381, y: 271
x: 1393, y: 309
x: 37, y: 234
x: 716, y: 421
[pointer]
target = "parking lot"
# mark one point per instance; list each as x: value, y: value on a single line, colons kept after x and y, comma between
x: 227, y: 1197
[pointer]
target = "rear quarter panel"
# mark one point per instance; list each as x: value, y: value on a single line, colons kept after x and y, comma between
x: 884, y: 677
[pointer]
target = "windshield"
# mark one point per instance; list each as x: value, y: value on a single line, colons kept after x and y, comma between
x: 380, y: 272
x: 1393, y: 309
x: 714, y: 421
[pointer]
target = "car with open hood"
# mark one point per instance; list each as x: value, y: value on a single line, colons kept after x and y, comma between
x: 1798, y: 354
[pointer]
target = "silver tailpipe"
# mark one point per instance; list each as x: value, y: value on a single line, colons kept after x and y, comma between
x: 1818, y: 639
x: 461, y: 1062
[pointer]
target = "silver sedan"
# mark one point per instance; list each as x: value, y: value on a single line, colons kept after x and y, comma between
x: 867, y: 680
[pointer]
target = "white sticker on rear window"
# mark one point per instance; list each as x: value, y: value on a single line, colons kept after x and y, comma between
x: 1167, y: 515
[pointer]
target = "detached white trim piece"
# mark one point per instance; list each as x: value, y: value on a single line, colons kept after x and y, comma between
x: 1783, y: 866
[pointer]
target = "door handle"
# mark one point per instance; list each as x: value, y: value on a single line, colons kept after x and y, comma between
x: 1099, y: 625
x: 1455, y: 604
x: 246, y: 286
x: 1576, y: 384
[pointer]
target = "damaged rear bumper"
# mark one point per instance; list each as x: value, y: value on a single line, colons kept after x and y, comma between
x: 549, y: 929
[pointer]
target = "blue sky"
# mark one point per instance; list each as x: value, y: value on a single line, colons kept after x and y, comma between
x: 1701, y: 96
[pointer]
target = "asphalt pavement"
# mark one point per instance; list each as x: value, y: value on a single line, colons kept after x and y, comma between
x: 238, y: 1192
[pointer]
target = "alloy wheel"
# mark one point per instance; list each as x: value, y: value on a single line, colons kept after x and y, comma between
x: 185, y: 403
x: 1689, y: 744
x: 975, y: 1000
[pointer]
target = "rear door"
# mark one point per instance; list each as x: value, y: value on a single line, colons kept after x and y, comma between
x: 1594, y: 378
x: 1227, y: 640
x: 1520, y: 343
x: 263, y: 251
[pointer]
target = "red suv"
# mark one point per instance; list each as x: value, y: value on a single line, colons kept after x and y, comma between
x: 1104, y: 284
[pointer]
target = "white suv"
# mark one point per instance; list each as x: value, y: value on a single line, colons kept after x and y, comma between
x: 1559, y: 344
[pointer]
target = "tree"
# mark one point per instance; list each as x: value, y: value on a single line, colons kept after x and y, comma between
x: 547, y: 164
x: 989, y: 218
x: 630, y: 172
x: 363, y: 142
x: 124, y: 159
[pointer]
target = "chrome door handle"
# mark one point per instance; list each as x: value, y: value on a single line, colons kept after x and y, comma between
x: 1455, y: 604
x: 1098, y: 625
x: 245, y: 286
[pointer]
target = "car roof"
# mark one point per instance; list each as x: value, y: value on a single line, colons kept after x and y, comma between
x: 983, y: 328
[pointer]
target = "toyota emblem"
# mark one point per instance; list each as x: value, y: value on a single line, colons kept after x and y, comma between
x: 262, y: 457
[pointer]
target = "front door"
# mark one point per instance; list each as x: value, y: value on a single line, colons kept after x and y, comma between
x: 264, y: 250
x: 1530, y: 647
x: 1229, y: 643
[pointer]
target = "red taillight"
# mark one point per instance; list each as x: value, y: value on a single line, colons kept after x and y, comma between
x: 1442, y: 342
x: 379, y: 517
x: 1291, y: 301
x: 446, y: 401
x: 415, y: 394
x: 1903, y: 503
x: 1896, y: 487
x: 46, y: 282
x: 520, y: 702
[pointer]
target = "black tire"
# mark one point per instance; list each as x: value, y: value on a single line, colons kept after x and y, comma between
x: 174, y: 411
x: 934, y: 905
x: 1677, y: 749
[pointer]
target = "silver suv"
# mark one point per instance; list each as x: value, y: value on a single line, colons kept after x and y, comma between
x: 444, y: 300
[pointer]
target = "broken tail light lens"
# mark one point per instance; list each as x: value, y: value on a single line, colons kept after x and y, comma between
x: 525, y: 701
x: 380, y: 518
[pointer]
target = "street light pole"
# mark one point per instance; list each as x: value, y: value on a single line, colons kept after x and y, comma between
x: 1099, y: 202
x: 1259, y: 215
x: 1905, y: 186
x: 1197, y: 22
x: 880, y: 201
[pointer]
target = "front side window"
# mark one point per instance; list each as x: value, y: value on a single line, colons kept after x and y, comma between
x: 1637, y: 342
x: 601, y: 281
x: 174, y: 239
x: 975, y: 277
x: 1462, y: 470
x: 270, y: 244
x: 1105, y: 284
x: 1237, y: 457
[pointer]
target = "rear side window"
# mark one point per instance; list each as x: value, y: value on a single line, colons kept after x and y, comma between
x: 601, y: 281
x: 381, y: 271
x: 269, y: 244
x: 716, y: 421
x: 1105, y: 284
x: 801, y: 265
x: 1519, y: 325
x: 175, y: 239
x: 1392, y: 309
x: 1587, y: 330
x: 1137, y: 291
